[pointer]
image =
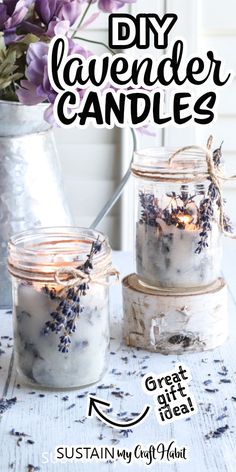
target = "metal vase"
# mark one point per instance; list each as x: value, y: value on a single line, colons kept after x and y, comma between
x: 31, y: 192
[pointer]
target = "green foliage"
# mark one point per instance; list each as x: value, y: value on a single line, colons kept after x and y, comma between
x: 9, y: 72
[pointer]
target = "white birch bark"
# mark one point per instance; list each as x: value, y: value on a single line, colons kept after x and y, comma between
x: 174, y: 322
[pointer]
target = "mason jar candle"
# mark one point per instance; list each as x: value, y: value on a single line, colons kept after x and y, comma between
x: 178, y: 238
x: 60, y: 305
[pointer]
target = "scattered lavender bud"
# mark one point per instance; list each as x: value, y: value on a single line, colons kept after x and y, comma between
x: 82, y: 420
x: 118, y: 394
x: 207, y: 382
x: 221, y: 417
x: 125, y: 432
x: 17, y: 433
x: 217, y: 433
x: 65, y: 398
x: 125, y: 359
x: 208, y: 408
x: 18, y: 442
x: 71, y: 406
x: 104, y: 387
x: 115, y: 441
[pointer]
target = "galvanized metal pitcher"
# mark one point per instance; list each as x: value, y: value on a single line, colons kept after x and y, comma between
x: 30, y: 181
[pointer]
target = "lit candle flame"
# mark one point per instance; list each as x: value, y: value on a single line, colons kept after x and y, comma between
x: 184, y: 219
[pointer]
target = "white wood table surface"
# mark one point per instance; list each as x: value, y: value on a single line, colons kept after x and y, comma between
x: 50, y: 419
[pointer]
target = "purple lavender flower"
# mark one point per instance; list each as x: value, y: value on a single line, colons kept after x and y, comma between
x: 36, y: 88
x: 58, y: 10
x: 3, y: 16
x: 13, y: 12
x: 110, y: 6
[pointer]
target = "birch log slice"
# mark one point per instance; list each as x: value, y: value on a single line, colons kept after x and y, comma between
x: 174, y: 322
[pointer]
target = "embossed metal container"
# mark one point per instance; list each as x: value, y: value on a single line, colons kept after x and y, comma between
x: 31, y: 191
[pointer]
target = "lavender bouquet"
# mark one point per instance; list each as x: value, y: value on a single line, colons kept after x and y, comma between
x: 26, y: 28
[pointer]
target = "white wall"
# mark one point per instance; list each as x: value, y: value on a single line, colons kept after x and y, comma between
x: 218, y: 32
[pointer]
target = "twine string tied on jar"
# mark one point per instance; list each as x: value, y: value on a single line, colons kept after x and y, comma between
x: 216, y: 176
x: 76, y: 276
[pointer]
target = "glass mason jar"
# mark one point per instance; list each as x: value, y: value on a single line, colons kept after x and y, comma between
x: 60, y: 305
x: 178, y: 238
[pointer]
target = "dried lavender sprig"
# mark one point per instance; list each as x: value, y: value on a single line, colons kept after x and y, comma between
x: 217, y: 155
x: 217, y: 158
x: 206, y: 213
x: 67, y: 312
x: 151, y: 211
x: 206, y: 210
x: 228, y: 226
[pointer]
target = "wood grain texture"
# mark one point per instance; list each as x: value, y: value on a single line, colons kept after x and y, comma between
x: 50, y: 423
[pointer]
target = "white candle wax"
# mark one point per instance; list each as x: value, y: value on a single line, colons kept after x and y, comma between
x: 166, y: 256
x: 38, y: 358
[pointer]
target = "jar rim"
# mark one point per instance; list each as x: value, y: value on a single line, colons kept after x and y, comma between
x: 44, y: 250
x: 155, y: 161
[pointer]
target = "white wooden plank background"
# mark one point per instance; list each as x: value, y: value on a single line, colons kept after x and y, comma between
x: 50, y: 423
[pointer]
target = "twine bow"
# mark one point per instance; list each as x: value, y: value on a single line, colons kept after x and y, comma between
x: 216, y: 176
x: 77, y: 277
